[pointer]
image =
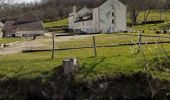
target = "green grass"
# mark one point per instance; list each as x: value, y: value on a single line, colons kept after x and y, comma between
x: 59, y: 23
x: 9, y: 40
x: 106, y: 39
x: 153, y: 16
x: 34, y: 64
x: 150, y: 28
x: 109, y: 61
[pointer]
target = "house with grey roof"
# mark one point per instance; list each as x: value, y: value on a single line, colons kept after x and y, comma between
x: 26, y: 25
x: 107, y: 16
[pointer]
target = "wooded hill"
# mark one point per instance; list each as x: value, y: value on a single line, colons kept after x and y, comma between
x: 50, y: 10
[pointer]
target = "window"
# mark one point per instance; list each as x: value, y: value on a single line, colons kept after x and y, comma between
x: 113, y: 21
x: 113, y: 14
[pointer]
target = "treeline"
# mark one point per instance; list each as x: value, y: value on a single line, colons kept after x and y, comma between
x: 50, y: 10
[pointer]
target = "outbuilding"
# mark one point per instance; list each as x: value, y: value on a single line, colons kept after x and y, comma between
x: 27, y: 25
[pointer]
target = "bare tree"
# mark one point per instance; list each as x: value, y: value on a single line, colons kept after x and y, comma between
x: 58, y: 9
x: 6, y: 8
x: 147, y: 7
x: 137, y: 6
x: 134, y: 8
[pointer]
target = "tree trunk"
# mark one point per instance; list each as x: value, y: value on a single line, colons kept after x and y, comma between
x: 147, y: 12
x: 134, y: 16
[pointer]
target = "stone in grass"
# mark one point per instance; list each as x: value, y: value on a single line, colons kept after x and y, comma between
x: 70, y: 65
x: 3, y: 45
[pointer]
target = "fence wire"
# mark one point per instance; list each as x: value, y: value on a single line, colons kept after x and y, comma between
x: 102, y: 40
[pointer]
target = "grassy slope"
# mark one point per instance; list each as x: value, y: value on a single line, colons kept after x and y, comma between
x: 63, y: 22
x: 109, y: 60
x: 21, y: 65
x: 108, y: 39
x: 9, y: 40
x: 154, y: 15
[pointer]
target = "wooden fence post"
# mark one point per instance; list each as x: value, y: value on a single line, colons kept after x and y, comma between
x: 53, y: 43
x: 94, y: 46
x: 139, y: 42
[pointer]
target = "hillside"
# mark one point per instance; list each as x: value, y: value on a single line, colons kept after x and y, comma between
x: 123, y: 69
x: 39, y: 73
x: 54, y: 24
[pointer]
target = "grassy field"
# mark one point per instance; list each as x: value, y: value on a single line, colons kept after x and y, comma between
x: 106, y: 40
x: 9, y: 40
x: 59, y: 23
x: 153, y: 16
x: 112, y: 61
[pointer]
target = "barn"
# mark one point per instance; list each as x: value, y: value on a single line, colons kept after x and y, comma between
x: 26, y: 25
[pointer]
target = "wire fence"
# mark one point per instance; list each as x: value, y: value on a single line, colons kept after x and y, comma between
x: 96, y: 41
x: 152, y: 50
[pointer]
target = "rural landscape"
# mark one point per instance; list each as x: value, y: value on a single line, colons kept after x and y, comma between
x: 85, y: 50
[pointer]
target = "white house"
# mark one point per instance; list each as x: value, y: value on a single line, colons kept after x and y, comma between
x: 107, y: 17
x: 1, y: 26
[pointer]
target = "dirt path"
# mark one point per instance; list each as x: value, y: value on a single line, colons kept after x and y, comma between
x: 35, y: 44
x: 19, y: 46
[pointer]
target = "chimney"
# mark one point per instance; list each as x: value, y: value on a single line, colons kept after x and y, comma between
x: 74, y: 12
x: 74, y: 9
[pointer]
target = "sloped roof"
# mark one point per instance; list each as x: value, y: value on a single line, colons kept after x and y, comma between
x: 9, y: 27
x: 99, y: 3
x: 28, y: 22
x: 95, y: 5
x: 32, y: 26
